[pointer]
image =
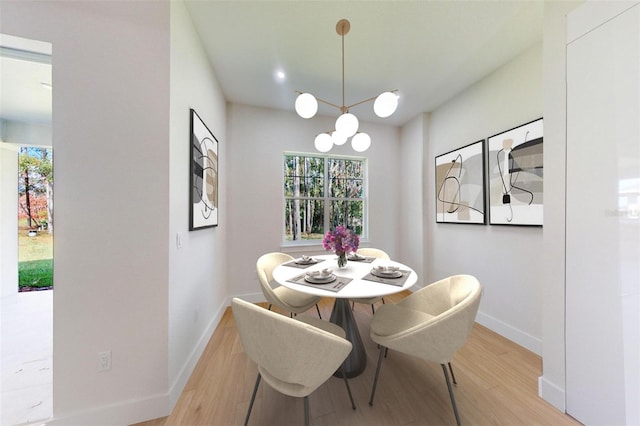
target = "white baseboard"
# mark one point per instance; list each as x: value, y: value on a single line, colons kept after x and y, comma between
x: 552, y: 393
x: 122, y: 413
x: 523, y: 339
x: 130, y: 412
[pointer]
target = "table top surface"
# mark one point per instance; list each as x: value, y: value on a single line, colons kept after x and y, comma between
x: 355, y: 270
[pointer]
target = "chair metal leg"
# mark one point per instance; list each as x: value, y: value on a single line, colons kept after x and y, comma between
x: 353, y: 305
x: 253, y: 397
x: 269, y: 308
x: 383, y: 300
x: 346, y: 382
x: 375, y: 380
x: 306, y: 411
x: 453, y: 377
x: 453, y: 399
x: 318, y: 309
x: 373, y: 310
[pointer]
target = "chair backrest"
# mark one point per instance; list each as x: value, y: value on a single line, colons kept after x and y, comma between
x: 373, y: 252
x: 291, y: 351
x: 451, y: 305
x: 265, y: 266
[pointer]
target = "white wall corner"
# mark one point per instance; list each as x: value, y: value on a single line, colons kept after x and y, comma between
x: 553, y: 394
x: 190, y: 364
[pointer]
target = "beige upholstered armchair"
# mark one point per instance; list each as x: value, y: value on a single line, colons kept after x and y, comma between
x: 432, y: 323
x: 294, y: 356
x: 371, y: 252
x: 282, y: 297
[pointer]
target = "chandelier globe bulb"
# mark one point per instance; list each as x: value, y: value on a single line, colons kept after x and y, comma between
x: 323, y: 142
x: 347, y: 124
x: 306, y: 105
x: 338, y: 138
x: 385, y: 104
x: 361, y: 142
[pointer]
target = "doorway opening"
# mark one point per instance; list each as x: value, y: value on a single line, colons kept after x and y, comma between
x: 26, y: 317
x: 35, y: 219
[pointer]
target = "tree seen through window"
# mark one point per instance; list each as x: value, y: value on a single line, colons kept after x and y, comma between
x: 322, y: 192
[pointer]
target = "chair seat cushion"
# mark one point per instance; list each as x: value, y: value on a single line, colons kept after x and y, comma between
x: 324, y: 325
x: 391, y: 319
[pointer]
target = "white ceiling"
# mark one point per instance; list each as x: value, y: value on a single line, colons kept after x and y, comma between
x: 429, y: 50
x: 22, y: 96
x: 25, y: 65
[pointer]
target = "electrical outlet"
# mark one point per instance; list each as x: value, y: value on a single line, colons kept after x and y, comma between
x: 104, y: 361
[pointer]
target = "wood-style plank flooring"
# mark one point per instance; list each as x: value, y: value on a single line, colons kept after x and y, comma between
x: 497, y: 385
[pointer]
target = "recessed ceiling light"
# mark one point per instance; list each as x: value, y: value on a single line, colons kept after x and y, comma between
x: 280, y: 75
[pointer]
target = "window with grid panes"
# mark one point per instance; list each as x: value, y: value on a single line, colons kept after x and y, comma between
x: 322, y: 192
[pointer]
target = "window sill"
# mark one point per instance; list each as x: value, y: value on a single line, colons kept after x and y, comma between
x: 313, y: 247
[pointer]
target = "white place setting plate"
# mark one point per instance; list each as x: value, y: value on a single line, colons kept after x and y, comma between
x: 320, y: 277
x: 386, y: 272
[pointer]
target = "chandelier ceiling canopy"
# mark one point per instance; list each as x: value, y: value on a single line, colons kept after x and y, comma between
x: 347, y: 124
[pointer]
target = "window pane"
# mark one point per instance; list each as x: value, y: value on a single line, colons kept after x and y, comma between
x: 304, y: 219
x: 305, y: 197
x: 347, y: 177
x: 303, y: 176
x: 348, y: 214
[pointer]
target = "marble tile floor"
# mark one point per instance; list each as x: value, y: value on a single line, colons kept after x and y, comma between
x: 26, y: 347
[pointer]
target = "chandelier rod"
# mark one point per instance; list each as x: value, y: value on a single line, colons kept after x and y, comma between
x: 343, y: 30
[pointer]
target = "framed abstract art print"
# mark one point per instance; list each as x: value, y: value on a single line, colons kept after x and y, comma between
x: 203, y: 171
x: 516, y: 175
x: 460, y: 185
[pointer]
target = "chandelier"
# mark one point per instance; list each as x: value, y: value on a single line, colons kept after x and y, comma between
x: 347, y: 124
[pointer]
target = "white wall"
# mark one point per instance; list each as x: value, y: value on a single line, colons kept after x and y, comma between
x: 197, y: 271
x: 258, y: 137
x: 8, y: 220
x: 414, y: 142
x: 552, y: 382
x: 507, y: 260
x: 111, y: 142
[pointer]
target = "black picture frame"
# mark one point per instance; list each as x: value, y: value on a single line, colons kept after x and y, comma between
x: 203, y: 175
x: 516, y: 175
x: 460, y: 185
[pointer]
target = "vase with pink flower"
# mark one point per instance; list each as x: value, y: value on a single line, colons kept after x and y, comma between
x: 341, y: 241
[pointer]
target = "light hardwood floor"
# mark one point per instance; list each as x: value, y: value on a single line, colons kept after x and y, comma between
x: 497, y: 385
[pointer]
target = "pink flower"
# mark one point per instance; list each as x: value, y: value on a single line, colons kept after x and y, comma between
x: 342, y: 240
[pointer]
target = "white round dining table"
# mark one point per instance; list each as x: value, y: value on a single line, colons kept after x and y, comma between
x: 352, y: 281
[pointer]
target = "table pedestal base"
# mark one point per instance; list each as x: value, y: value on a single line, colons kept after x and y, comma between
x: 356, y: 362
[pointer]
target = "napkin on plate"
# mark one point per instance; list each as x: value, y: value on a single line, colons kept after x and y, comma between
x: 386, y: 269
x: 325, y: 273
